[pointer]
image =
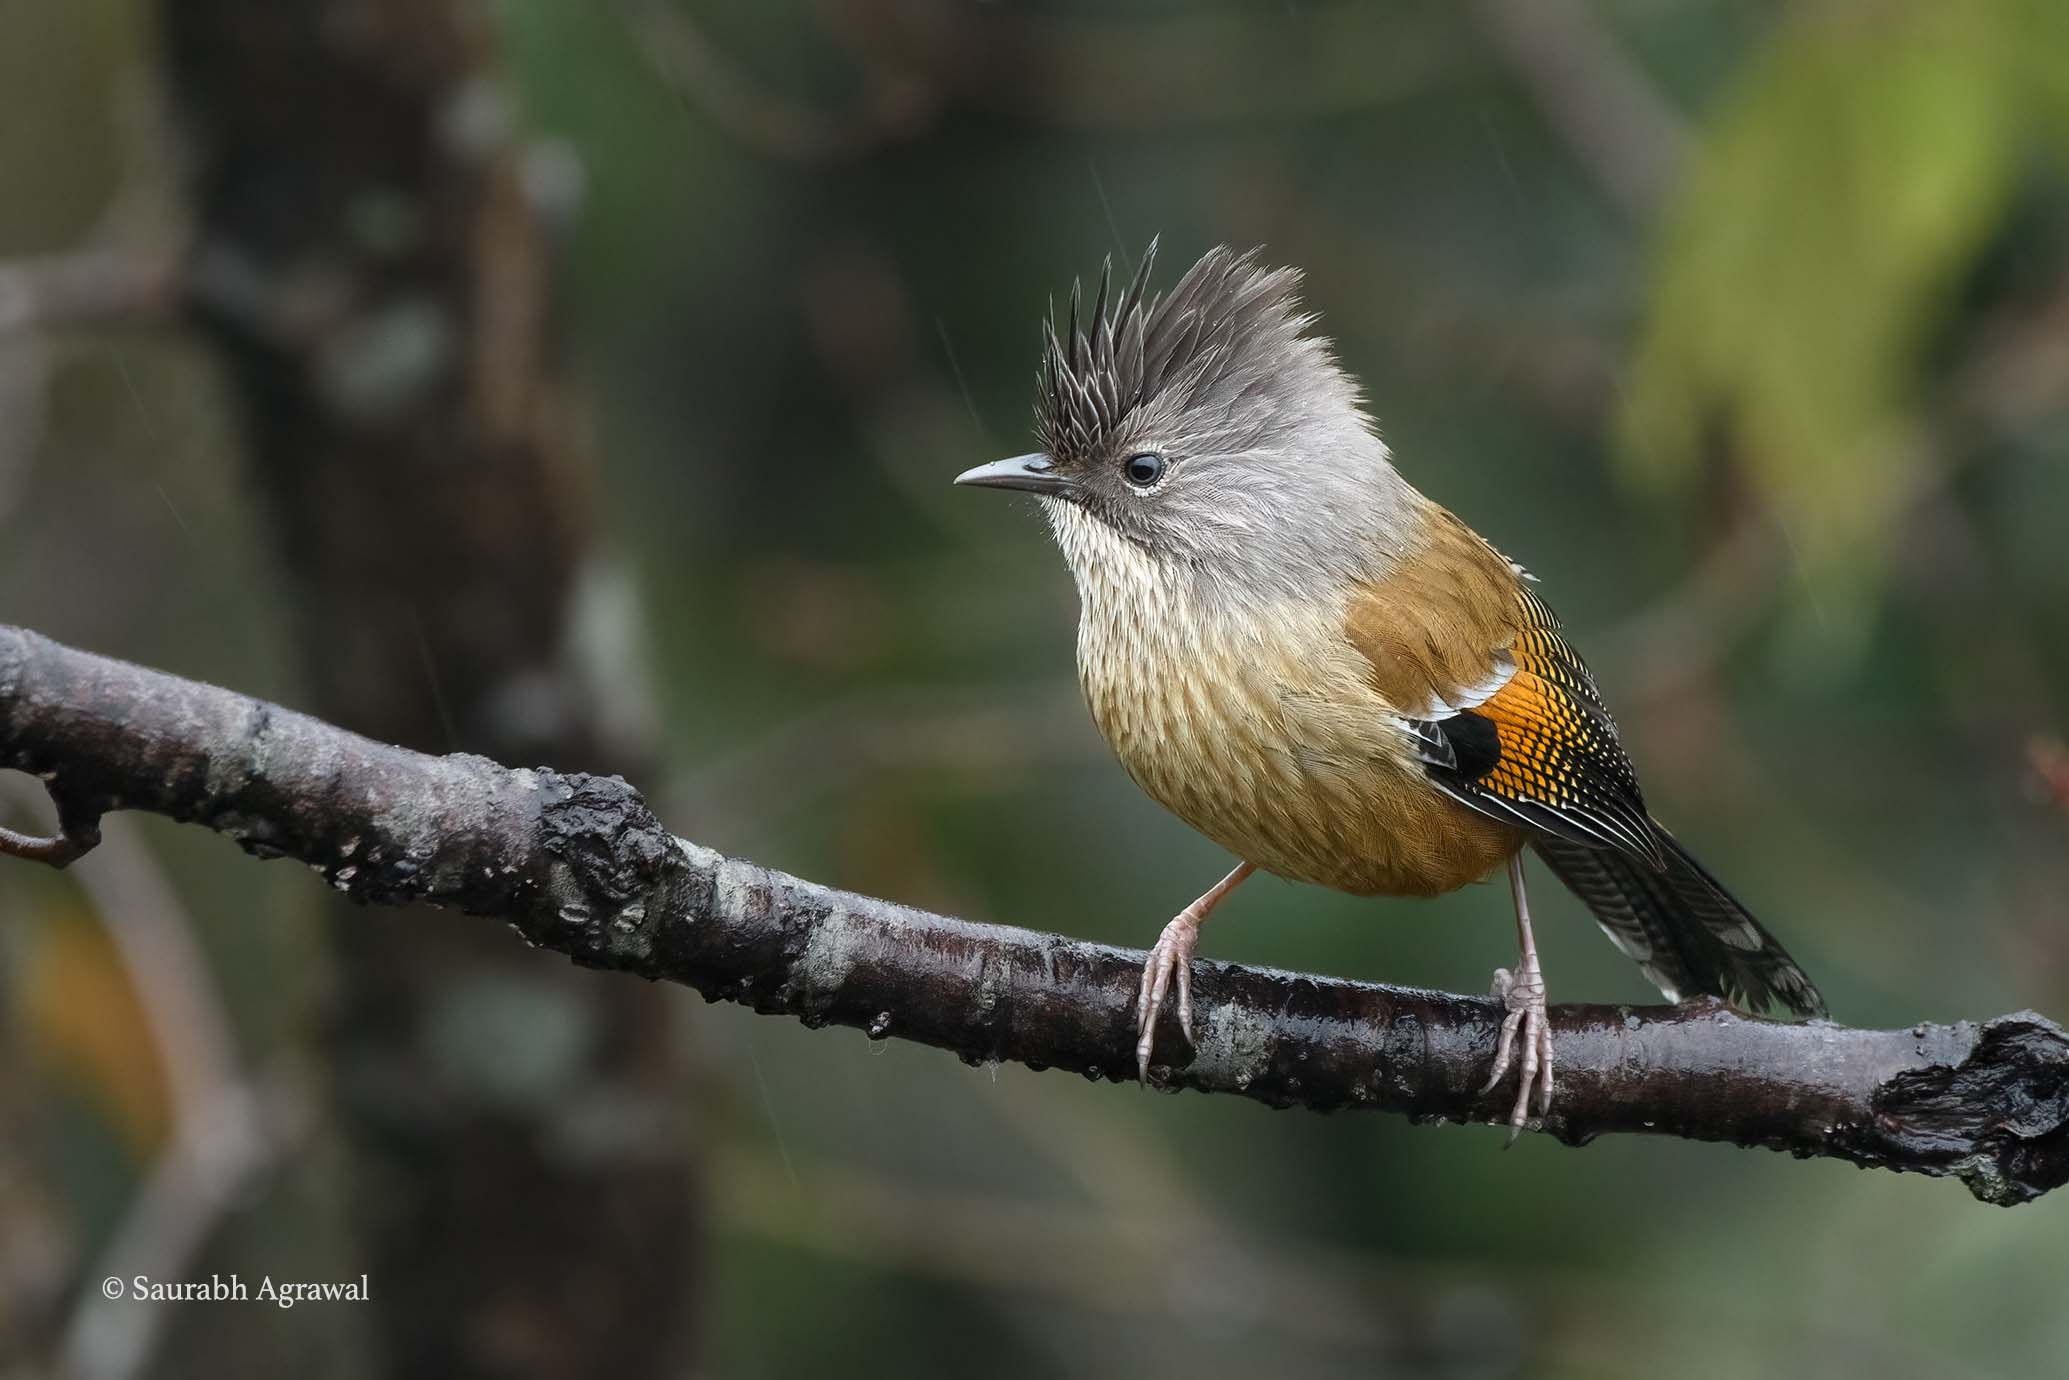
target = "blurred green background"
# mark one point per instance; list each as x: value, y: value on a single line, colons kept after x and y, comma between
x: 1745, y: 326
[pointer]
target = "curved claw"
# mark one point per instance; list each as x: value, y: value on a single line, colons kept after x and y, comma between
x: 1172, y: 957
x: 1171, y: 960
x: 1523, y: 992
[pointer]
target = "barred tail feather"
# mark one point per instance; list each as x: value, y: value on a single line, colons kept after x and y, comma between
x: 1681, y: 926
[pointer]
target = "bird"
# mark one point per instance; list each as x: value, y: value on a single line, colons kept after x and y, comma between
x: 1325, y: 672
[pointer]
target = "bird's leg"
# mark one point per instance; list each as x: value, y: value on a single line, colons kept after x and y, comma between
x: 1523, y: 992
x: 1173, y: 957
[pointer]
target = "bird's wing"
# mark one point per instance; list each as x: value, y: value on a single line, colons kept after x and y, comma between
x: 1504, y: 714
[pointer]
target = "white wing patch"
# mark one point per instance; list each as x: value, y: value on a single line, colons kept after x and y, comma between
x: 1475, y: 695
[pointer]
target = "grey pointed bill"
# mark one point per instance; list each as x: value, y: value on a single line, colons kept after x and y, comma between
x: 1036, y: 474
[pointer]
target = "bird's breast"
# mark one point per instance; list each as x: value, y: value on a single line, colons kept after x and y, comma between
x: 1259, y: 727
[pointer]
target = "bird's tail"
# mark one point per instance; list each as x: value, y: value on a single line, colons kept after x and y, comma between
x: 1682, y: 927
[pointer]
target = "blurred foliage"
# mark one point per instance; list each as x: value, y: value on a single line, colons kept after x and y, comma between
x: 1839, y: 204
x: 803, y: 281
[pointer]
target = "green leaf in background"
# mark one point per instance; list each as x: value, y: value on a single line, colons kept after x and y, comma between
x: 1841, y: 194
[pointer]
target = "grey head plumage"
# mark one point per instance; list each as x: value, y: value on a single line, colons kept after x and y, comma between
x: 1223, y: 336
x: 1211, y: 427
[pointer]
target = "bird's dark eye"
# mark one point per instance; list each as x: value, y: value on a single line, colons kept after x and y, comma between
x: 1143, y: 468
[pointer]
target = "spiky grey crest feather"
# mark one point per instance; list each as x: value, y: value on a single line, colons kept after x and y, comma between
x: 1275, y: 474
x: 1217, y: 336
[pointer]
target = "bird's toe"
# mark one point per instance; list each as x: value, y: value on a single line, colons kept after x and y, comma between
x: 1526, y: 1037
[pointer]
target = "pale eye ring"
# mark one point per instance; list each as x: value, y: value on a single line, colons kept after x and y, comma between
x: 1143, y: 468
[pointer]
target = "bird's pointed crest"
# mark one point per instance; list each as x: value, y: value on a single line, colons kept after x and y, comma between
x: 1212, y: 333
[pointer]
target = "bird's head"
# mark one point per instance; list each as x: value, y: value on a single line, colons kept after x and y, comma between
x: 1208, y: 429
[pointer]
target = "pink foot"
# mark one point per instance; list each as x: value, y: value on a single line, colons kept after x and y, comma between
x: 1171, y: 960
x: 1523, y: 992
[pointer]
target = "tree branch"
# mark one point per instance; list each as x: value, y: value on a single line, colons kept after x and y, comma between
x: 580, y: 865
x: 78, y: 833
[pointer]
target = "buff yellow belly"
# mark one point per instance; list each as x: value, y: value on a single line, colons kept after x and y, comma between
x: 1270, y: 741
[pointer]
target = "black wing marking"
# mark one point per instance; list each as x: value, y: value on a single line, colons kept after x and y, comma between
x: 1541, y: 751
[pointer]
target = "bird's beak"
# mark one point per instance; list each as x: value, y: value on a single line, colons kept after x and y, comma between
x: 1037, y: 474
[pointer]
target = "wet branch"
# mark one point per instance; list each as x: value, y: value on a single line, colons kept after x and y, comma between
x: 579, y: 864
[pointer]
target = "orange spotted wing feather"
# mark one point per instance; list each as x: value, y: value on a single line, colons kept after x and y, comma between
x: 1506, y: 716
x: 1556, y: 763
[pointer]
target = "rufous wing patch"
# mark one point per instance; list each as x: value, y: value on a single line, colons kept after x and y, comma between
x: 1459, y: 646
x: 1429, y: 630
